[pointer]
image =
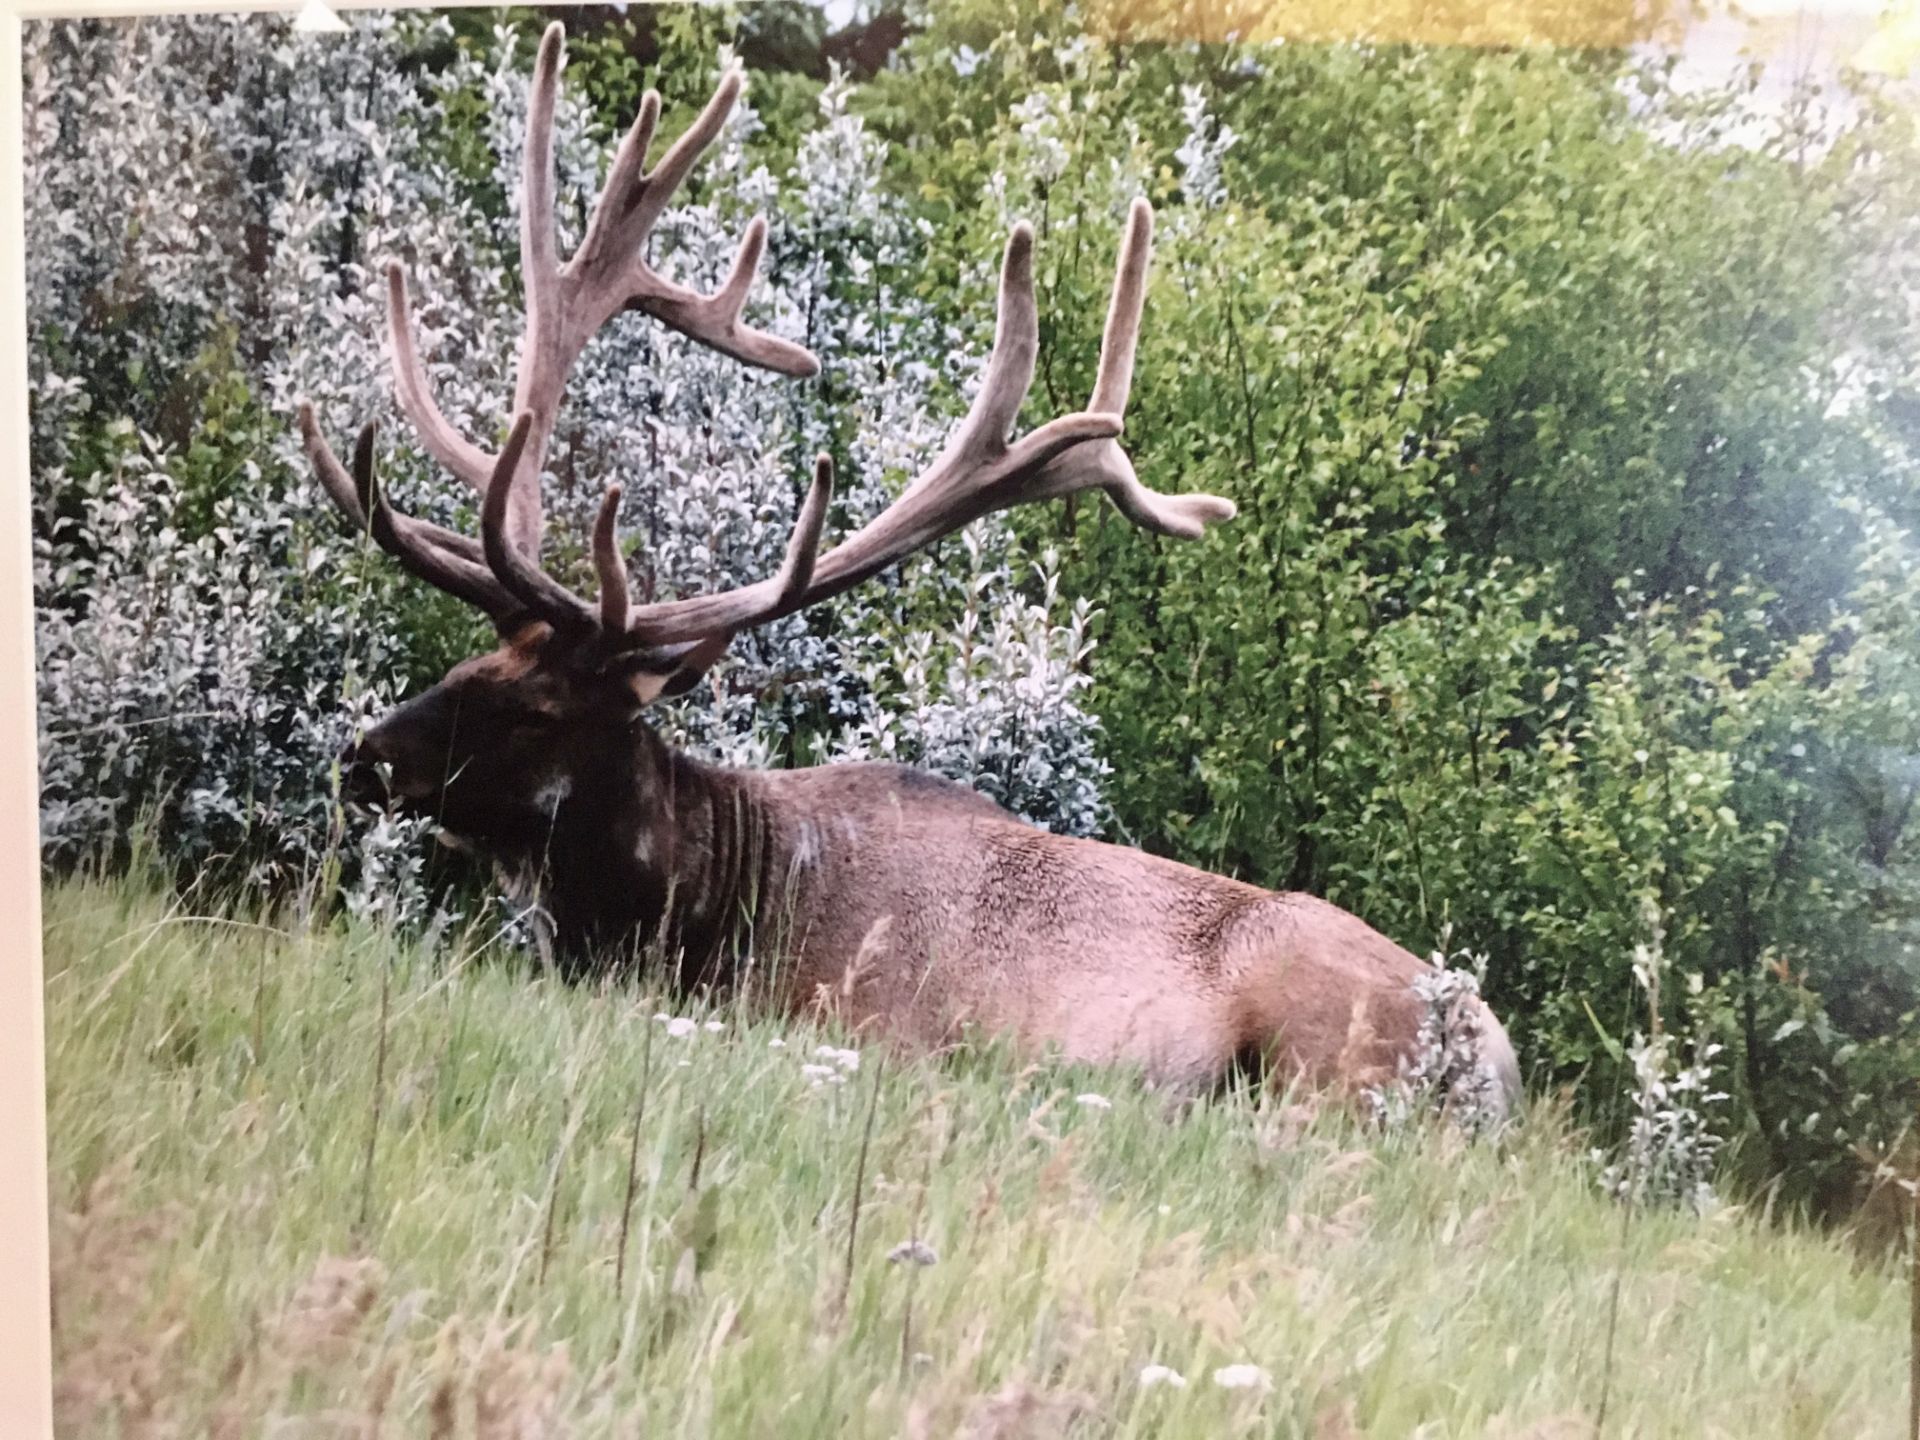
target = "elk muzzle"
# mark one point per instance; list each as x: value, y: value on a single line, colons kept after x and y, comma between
x: 365, y: 775
x: 401, y: 758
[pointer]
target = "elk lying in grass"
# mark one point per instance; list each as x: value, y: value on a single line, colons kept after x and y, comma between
x: 920, y: 905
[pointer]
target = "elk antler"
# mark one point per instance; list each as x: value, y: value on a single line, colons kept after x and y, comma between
x: 442, y: 558
x: 980, y: 471
x: 565, y: 306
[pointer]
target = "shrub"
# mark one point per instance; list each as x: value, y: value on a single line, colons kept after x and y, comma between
x: 1570, y: 420
x: 208, y: 638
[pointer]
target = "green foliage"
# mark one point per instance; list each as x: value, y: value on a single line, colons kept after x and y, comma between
x: 615, y: 58
x: 1573, y: 444
x: 462, y: 141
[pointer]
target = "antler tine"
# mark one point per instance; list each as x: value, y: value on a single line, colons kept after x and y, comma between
x: 964, y: 483
x: 515, y: 569
x: 608, y: 273
x: 714, y: 320
x: 547, y: 349
x: 1016, y: 345
x: 629, y: 168
x: 719, y: 616
x: 803, y: 546
x: 1106, y: 466
x: 443, y: 442
x: 345, y: 494
x: 332, y: 474
x: 409, y: 541
x: 1121, y: 337
x: 539, y: 247
x: 447, y: 561
x: 567, y: 304
x: 607, y: 562
x: 660, y: 183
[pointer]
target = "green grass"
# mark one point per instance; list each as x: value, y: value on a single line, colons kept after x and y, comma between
x: 212, y: 1092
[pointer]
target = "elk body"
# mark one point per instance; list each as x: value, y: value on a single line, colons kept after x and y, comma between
x: 914, y: 905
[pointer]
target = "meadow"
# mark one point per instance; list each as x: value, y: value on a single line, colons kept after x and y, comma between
x: 320, y: 1182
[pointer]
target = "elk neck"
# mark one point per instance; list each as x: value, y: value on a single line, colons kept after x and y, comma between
x: 660, y: 855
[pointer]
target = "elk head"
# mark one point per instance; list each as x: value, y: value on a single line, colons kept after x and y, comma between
x: 492, y: 749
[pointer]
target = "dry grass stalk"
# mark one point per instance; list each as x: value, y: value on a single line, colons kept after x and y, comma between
x: 633, y: 1164
x: 379, y: 1093
x: 517, y: 1390
x: 113, y: 1348
x: 1363, y: 1039
x: 1021, y: 1412
x: 1913, y: 1314
x: 553, y: 1193
x: 832, y: 1002
x: 859, y: 1184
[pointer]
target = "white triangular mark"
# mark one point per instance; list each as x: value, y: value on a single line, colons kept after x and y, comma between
x: 317, y: 17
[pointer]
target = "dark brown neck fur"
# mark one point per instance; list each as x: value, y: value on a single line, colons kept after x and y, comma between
x: 661, y: 858
x: 720, y: 843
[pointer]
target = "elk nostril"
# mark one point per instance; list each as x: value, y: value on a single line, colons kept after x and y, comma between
x: 367, y: 750
x: 363, y: 773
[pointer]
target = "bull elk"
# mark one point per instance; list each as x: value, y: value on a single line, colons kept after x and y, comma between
x: 920, y: 905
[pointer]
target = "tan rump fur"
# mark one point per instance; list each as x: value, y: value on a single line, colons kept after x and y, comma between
x: 961, y: 915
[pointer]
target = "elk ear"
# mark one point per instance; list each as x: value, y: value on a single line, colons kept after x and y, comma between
x: 658, y: 675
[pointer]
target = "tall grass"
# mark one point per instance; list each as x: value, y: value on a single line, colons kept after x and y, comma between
x: 530, y: 1263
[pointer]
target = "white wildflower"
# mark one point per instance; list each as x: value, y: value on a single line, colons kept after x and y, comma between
x: 680, y: 1027
x: 1450, y: 1071
x: 1205, y: 147
x: 1242, y: 1377
x: 1090, y: 1101
x: 1152, y: 1375
x: 1671, y: 1148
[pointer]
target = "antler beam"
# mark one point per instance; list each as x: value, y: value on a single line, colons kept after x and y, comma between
x: 979, y: 472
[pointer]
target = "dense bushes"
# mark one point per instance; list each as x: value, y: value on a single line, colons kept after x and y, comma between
x: 207, y: 634
x: 1571, y: 419
x: 1572, y: 582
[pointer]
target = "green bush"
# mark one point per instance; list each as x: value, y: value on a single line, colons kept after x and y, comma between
x: 1573, y: 442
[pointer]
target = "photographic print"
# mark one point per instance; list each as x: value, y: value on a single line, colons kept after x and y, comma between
x: 978, y: 718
